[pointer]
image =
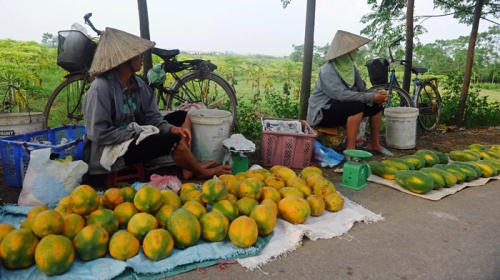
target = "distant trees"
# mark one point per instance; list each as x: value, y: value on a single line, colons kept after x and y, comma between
x: 49, y: 40
x: 319, y: 53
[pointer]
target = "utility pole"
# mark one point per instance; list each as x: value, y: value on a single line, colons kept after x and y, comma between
x: 409, y: 45
x: 305, y: 88
x: 144, y: 27
x: 468, y: 65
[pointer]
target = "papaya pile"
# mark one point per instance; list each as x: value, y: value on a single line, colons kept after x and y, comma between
x: 430, y: 170
x: 88, y: 225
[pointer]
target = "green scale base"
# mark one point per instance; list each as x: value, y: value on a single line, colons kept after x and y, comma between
x: 356, y: 170
x: 237, y: 161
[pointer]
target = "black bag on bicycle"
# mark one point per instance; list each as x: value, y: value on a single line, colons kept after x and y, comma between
x: 75, y: 50
x: 378, y: 71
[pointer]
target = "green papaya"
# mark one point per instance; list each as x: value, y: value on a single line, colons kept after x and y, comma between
x: 438, y: 179
x: 385, y: 172
x: 395, y: 164
x: 476, y: 147
x: 494, y: 163
x: 488, y: 169
x: 409, y: 164
x: 453, y: 170
x: 414, y: 181
x: 417, y: 161
x: 443, y: 158
x: 478, y: 170
x: 467, y: 170
x: 492, y: 154
x: 430, y: 157
x: 449, y: 179
x: 463, y: 156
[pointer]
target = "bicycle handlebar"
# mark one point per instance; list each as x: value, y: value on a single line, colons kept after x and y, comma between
x: 395, y: 42
x: 89, y: 23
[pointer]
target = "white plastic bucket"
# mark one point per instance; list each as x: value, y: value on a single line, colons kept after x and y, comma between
x: 209, y: 129
x: 20, y: 123
x: 401, y: 127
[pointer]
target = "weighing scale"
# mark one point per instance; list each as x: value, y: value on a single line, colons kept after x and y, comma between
x: 355, y: 170
x: 237, y: 160
x: 234, y: 157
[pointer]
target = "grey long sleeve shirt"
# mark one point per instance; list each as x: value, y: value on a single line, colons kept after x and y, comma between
x: 330, y: 86
x: 103, y: 114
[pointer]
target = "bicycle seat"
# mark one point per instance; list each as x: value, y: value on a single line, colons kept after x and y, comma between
x: 164, y: 54
x: 419, y: 70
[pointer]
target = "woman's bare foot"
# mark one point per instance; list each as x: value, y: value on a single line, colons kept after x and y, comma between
x: 186, y: 174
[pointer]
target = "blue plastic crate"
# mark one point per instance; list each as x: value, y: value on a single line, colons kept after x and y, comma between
x: 15, y: 150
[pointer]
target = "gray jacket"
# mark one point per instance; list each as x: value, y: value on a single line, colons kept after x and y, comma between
x: 330, y: 86
x: 103, y: 113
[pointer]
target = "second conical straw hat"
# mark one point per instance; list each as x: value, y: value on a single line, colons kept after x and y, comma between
x: 114, y: 48
x: 344, y: 43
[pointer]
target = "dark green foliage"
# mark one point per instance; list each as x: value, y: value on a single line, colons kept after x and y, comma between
x: 247, y: 121
x: 282, y: 105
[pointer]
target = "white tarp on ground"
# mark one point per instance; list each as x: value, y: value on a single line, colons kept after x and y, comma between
x: 434, y: 194
x: 287, y: 237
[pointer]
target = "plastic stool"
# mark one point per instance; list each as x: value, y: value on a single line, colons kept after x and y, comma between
x: 114, y: 177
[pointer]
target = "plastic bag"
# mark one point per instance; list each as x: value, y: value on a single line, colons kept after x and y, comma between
x: 156, y: 75
x: 48, y: 181
x: 165, y: 182
x: 324, y: 156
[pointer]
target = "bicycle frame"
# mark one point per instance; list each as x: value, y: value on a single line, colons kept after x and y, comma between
x: 393, y: 79
x: 425, y: 95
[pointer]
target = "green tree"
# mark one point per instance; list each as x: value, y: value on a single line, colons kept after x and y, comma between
x: 318, y: 55
x: 390, y: 16
x: 49, y: 40
x: 434, y: 57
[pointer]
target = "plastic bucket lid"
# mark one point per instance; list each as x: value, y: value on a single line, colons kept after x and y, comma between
x: 209, y: 116
x: 401, y: 112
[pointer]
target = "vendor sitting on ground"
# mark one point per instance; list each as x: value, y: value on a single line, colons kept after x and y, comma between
x: 340, y: 97
x: 119, y: 106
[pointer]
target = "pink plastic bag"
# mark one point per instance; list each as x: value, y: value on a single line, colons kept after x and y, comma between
x: 165, y: 182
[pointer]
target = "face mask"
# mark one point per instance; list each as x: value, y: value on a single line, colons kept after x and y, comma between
x: 354, y: 55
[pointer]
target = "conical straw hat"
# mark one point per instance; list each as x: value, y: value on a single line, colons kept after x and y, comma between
x: 344, y: 43
x: 114, y: 48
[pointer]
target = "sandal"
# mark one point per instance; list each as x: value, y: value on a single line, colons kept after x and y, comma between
x: 383, y: 152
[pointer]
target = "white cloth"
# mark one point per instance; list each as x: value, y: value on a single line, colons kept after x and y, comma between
x: 112, y: 152
x: 287, y: 237
x: 433, y: 194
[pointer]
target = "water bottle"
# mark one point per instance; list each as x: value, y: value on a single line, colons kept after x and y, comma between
x: 361, y: 137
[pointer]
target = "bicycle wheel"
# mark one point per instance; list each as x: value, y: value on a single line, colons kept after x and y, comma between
x: 398, y: 97
x: 209, y: 91
x: 65, y: 104
x: 429, y: 106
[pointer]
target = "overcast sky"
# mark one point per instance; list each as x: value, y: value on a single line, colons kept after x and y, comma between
x: 240, y: 26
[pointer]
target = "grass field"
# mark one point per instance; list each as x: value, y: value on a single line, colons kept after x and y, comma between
x: 493, y: 95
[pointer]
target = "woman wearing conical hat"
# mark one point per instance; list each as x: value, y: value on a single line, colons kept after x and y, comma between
x: 120, y: 109
x: 340, y: 96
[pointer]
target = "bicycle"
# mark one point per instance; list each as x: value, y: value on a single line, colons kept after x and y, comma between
x: 199, y: 87
x: 425, y: 95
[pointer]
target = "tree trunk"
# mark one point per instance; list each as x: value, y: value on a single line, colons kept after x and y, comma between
x: 305, y: 87
x: 144, y: 26
x: 468, y: 65
x: 409, y: 45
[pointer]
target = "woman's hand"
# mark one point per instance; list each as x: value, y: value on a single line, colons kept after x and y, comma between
x: 380, y: 97
x: 183, y: 132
